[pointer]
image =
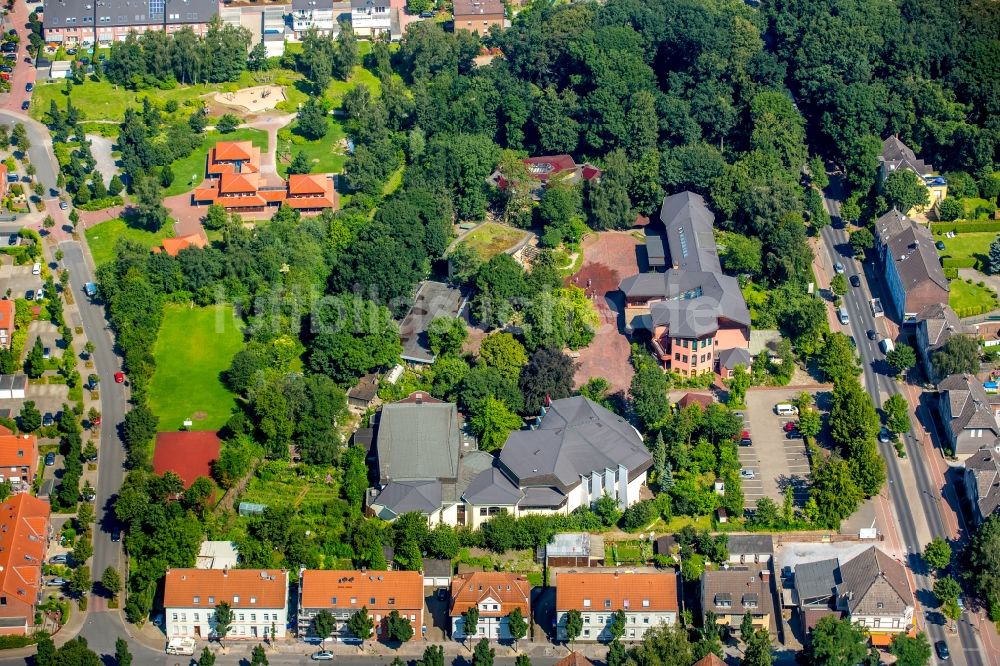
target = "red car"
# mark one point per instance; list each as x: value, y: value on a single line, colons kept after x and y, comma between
x: 789, y: 426
x: 119, y: 378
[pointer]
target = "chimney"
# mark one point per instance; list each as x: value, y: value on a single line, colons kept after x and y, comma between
x: 765, y: 576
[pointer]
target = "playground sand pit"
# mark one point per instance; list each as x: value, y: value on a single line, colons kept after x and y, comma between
x: 252, y: 100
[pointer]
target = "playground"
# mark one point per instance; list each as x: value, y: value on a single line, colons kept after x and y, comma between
x: 251, y: 100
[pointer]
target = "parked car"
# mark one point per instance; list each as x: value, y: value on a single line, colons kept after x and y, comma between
x: 322, y: 656
x: 63, y: 205
x: 872, y: 334
x: 56, y: 582
x: 855, y: 281
x: 46, y: 352
x: 29, y: 295
x: 25, y: 105
x: 426, y: 15
x: 746, y: 441
x: 62, y: 558
x: 48, y: 420
x: 29, y: 86
x: 943, y: 653
x: 70, y: 51
x: 838, y: 267
x: 747, y: 474
x: 789, y: 426
x: 119, y: 377
x: 6, y: 68
x: 50, y: 459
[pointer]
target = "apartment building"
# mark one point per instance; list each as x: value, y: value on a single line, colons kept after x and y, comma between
x: 648, y: 600
x: 258, y: 599
x: 73, y: 22
x: 345, y: 592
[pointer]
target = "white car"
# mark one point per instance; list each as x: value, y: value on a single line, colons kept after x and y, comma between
x: 322, y: 656
x: 838, y: 267
x: 747, y: 474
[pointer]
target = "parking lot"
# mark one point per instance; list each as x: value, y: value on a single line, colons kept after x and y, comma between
x: 19, y: 280
x: 776, y: 458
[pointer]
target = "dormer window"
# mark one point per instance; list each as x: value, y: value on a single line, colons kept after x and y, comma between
x: 253, y: 600
x: 197, y: 600
x: 607, y: 603
x: 586, y: 603
x: 236, y: 599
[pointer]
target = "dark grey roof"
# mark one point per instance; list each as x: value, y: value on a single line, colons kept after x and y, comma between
x: 492, y: 487
x: 747, y: 544
x: 984, y: 466
x: 736, y: 591
x: 874, y: 584
x: 940, y: 323
x: 418, y: 441
x: 60, y: 13
x: 542, y: 497
x: 897, y: 154
x: 361, y: 4
x: 654, y: 251
x: 969, y: 404
x: 399, y: 497
x: 306, y: 5
x: 20, y: 382
x: 911, y: 248
x: 470, y: 466
x: 816, y: 582
x: 433, y: 300
x: 730, y: 358
x: 433, y: 567
x: 689, y: 303
x: 576, y: 437
x: 6, y: 382
x: 689, y: 232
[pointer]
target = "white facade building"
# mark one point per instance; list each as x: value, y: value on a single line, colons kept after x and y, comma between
x: 318, y: 14
x: 258, y: 598
x: 371, y: 18
x: 647, y: 600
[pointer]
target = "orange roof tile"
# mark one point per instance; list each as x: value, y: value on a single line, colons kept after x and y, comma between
x: 710, y: 659
x: 24, y: 530
x: 206, y: 194
x: 173, y: 246
x: 272, y: 195
x: 240, y: 588
x: 249, y: 201
x: 7, y: 311
x: 509, y: 590
x: 309, y: 184
x: 238, y: 182
x: 320, y: 588
x: 574, y: 659
x: 616, y: 591
x: 18, y: 451
x: 233, y: 150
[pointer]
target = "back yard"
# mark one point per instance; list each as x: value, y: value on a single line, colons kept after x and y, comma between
x: 102, y: 237
x: 968, y: 299
x: 491, y: 238
x: 194, y: 347
x: 964, y: 246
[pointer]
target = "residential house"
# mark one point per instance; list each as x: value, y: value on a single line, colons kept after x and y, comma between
x: 816, y: 590
x: 496, y: 595
x: 710, y: 659
x: 936, y: 324
x: 574, y: 549
x: 7, y: 316
x: 344, y: 593
x: 3, y: 186
x: 692, y: 311
x: 574, y: 659
x: 237, y: 183
x: 363, y: 394
x: 730, y: 358
x: 897, y: 155
x: 313, y: 14
x: 433, y: 300
x: 747, y: 549
x: 731, y: 593
x: 18, y: 461
x: 577, y: 452
x: 188, y: 454
x: 374, y: 18
x: 437, y: 573
x: 912, y: 267
x: 649, y: 600
x: 173, y: 246
x: 969, y: 414
x: 478, y: 16
x: 217, y: 555
x: 71, y: 23
x: 981, y: 480
x: 424, y: 461
x: 24, y: 538
x: 545, y: 169
x: 875, y: 593
x: 257, y: 597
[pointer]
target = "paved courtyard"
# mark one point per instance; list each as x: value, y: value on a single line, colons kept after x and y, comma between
x: 776, y: 461
x: 609, y: 257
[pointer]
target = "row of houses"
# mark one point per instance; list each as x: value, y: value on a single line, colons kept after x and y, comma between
x: 870, y: 588
x: 76, y: 23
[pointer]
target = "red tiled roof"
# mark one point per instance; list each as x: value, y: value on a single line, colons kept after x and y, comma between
x: 556, y: 163
x: 650, y: 592
x: 255, y: 588
x: 7, y: 312
x: 188, y: 454
x: 24, y: 529
x: 173, y: 246
x: 695, y: 399
x: 509, y: 590
x: 574, y: 659
x: 710, y: 659
x: 18, y: 451
x: 233, y: 150
x: 307, y: 183
x: 231, y: 183
x: 320, y: 588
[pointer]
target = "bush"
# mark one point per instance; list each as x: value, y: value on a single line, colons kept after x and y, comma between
x: 956, y: 262
x: 951, y: 273
x: 958, y: 227
x: 639, y: 515
x: 13, y: 641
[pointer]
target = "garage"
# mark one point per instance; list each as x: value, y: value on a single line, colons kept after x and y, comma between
x: 437, y: 573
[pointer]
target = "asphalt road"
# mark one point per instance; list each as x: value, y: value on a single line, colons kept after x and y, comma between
x: 966, y: 649
x: 40, y: 151
x: 111, y: 452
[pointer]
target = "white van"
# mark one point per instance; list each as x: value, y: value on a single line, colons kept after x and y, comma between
x: 886, y: 345
x: 786, y: 409
x: 842, y: 315
x: 36, y: 269
x: 182, y: 646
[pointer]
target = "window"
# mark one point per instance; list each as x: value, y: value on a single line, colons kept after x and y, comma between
x: 175, y: 617
x: 645, y: 603
x: 253, y: 600
x: 631, y: 633
x: 211, y: 600
x: 625, y: 603
x: 241, y: 617
x: 684, y: 358
x: 685, y: 344
x: 879, y: 605
x: 354, y: 600
x: 645, y: 620
x: 586, y: 619
x: 184, y: 617
x: 333, y: 601
x: 236, y: 599
x: 586, y: 603
x: 253, y: 617
x: 392, y: 601
x: 197, y: 600
x: 371, y: 600
x: 197, y: 617
x: 586, y: 632
x: 677, y: 356
x: 607, y: 602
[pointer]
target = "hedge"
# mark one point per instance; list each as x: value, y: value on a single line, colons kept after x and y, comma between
x: 16, y: 641
x: 958, y: 262
x: 959, y: 227
x: 951, y: 273
x: 972, y: 311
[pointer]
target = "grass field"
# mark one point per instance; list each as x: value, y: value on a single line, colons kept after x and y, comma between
x: 491, y: 238
x: 322, y: 157
x: 968, y: 245
x: 194, y: 346
x: 190, y: 171
x: 102, y: 237
x: 968, y: 298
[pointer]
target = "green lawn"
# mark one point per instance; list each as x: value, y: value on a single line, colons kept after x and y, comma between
x: 322, y: 154
x: 968, y: 298
x: 190, y: 171
x: 968, y: 245
x: 102, y: 237
x: 491, y: 238
x: 194, y: 346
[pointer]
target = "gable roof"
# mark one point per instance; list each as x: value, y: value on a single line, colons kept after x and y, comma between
x: 736, y: 591
x: 874, y: 584
x: 689, y: 302
x: 305, y: 183
x: 940, y: 323
x: 911, y: 248
x: 605, y: 591
x: 816, y: 582
x: 576, y: 436
x: 730, y: 358
x: 240, y: 588
x: 710, y: 659
x: 399, y: 497
x: 509, y: 590
x: 574, y: 659
x: 969, y: 404
x: 24, y: 531
x: 238, y: 183
x: 173, y: 246
x: 404, y: 588
x: 492, y: 487
x: 418, y: 439
x: 689, y: 224
x: 7, y: 313
x: 188, y: 454
x: 478, y: 7
x: 897, y: 154
x: 18, y: 451
x: 984, y: 466
x: 744, y: 544
x: 231, y: 151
